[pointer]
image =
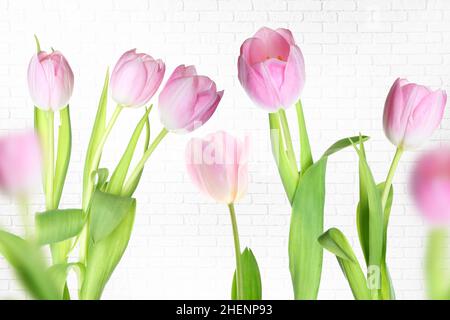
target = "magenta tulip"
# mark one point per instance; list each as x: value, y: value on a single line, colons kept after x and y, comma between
x: 20, y: 162
x: 136, y: 78
x: 411, y: 113
x: 271, y: 69
x: 218, y: 166
x: 431, y: 185
x: 50, y: 80
x: 188, y: 100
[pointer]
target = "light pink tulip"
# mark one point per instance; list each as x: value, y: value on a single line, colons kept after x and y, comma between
x: 271, y: 69
x: 135, y: 78
x: 20, y: 162
x: 218, y: 166
x: 188, y: 100
x: 50, y: 80
x: 411, y: 113
x: 431, y: 185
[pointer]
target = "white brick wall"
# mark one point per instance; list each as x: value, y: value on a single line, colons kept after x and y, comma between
x: 181, y: 245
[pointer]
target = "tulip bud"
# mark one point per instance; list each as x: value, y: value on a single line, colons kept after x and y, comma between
x: 135, y: 78
x: 187, y: 100
x: 411, y: 113
x: 50, y: 80
x: 20, y: 162
x: 218, y: 166
x: 431, y: 185
x: 271, y: 69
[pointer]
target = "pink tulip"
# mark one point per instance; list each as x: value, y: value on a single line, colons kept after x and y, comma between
x: 135, y: 78
x: 271, y: 69
x: 187, y: 100
x: 20, y: 162
x: 50, y: 80
x: 218, y: 166
x: 411, y: 113
x: 431, y: 185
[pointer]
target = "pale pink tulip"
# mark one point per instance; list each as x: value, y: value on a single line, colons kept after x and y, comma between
x: 271, y: 69
x: 20, y: 162
x: 50, y: 80
x: 218, y: 166
x: 431, y: 185
x: 136, y: 78
x: 188, y: 100
x: 411, y: 113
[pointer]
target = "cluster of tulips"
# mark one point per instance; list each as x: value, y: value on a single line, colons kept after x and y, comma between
x: 271, y: 70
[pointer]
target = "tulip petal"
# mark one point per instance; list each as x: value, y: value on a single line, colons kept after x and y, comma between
x: 37, y: 84
x: 253, y: 50
x: 287, y: 35
x: 276, y: 45
x: 181, y: 72
x: 294, y: 78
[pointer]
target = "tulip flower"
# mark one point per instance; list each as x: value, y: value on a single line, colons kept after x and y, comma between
x: 50, y: 80
x: 218, y: 166
x: 20, y: 162
x: 271, y: 69
x: 411, y: 113
x: 431, y: 185
x: 188, y: 100
x: 135, y: 78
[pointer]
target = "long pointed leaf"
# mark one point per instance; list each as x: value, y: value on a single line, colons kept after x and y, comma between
x: 334, y: 241
x: 59, y: 273
x: 252, y: 278
x: 120, y: 173
x: 58, y: 225
x: 29, y: 266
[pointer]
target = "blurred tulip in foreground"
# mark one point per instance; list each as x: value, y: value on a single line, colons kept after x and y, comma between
x: 20, y: 162
x: 431, y: 185
x: 135, y: 78
x: 218, y: 166
x: 50, y: 80
x: 271, y: 69
x: 188, y: 100
x: 412, y: 112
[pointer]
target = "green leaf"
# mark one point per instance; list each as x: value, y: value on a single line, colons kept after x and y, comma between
x: 120, y: 173
x: 57, y: 225
x: 28, y: 263
x: 305, y: 253
x: 251, y: 276
x: 344, y: 143
x: 107, y: 212
x: 59, y: 273
x: 374, y: 221
x: 63, y: 154
x: 288, y: 173
x: 306, y: 159
x: 104, y: 256
x: 101, y: 177
x: 96, y: 135
x: 334, y: 241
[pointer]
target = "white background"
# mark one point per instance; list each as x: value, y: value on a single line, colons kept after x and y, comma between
x: 181, y: 246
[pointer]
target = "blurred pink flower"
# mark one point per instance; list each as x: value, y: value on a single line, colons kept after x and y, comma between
x: 50, y: 80
x: 188, y: 100
x: 20, y: 162
x: 218, y: 166
x: 411, y: 113
x: 136, y: 78
x: 271, y: 69
x: 431, y: 185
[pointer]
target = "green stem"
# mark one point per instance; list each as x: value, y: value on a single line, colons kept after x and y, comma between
x: 128, y: 186
x: 237, y: 249
x: 49, y: 159
x: 437, y: 276
x: 390, y: 176
x: 306, y: 159
x: 287, y: 136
